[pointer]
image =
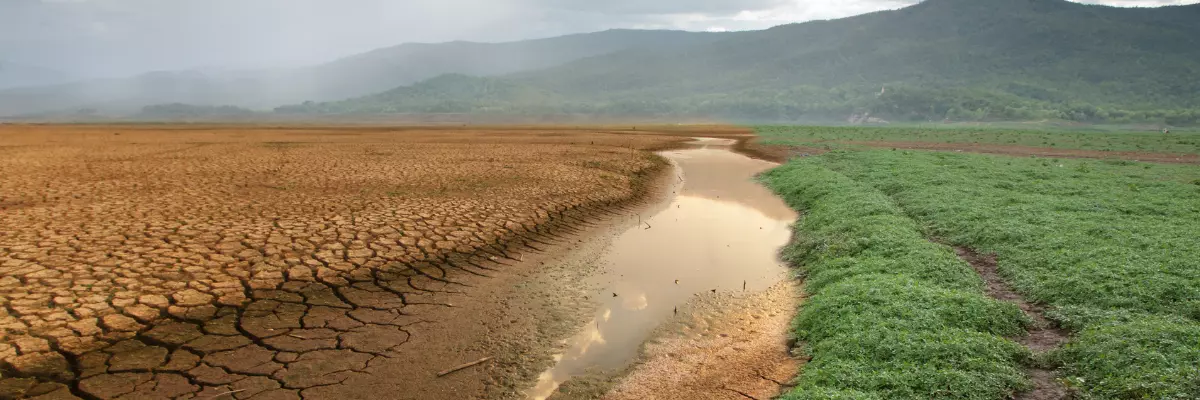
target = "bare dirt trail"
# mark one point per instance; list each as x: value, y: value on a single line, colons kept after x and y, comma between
x: 706, y: 262
x: 1042, y: 337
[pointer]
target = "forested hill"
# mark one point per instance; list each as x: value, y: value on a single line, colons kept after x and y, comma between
x: 957, y: 59
x: 352, y: 76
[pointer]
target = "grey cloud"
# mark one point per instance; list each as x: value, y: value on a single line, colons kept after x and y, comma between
x: 659, y: 7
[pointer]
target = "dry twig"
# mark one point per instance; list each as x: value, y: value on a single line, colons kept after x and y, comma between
x: 463, y: 366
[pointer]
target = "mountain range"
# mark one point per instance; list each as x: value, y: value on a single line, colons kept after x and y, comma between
x: 356, y: 75
x: 939, y: 59
x: 957, y: 59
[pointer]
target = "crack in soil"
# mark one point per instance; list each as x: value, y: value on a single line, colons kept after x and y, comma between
x: 217, y: 288
x: 743, y: 394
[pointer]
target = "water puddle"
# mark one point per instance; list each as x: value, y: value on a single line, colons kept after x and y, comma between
x: 720, y: 232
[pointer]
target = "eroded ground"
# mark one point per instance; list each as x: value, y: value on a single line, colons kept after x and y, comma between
x: 718, y: 235
x: 725, y: 346
x: 277, y: 263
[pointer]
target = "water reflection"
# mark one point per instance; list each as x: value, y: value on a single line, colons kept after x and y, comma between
x: 721, y: 232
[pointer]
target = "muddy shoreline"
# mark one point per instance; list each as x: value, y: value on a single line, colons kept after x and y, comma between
x: 364, y: 319
x: 351, y: 263
x: 716, y: 188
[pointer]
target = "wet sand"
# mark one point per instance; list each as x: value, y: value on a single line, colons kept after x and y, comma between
x: 728, y: 346
x: 719, y: 233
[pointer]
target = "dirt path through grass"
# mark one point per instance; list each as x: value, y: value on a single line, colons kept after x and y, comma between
x: 1103, y: 246
x: 1043, y: 335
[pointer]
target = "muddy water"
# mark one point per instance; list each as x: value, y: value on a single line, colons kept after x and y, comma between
x: 721, y: 231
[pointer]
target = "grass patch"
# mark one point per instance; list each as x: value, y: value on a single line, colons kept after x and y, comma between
x: 1186, y: 142
x: 890, y: 315
x: 1151, y: 357
x: 1112, y: 247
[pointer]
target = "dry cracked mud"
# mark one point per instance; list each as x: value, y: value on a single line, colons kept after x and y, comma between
x: 236, y: 262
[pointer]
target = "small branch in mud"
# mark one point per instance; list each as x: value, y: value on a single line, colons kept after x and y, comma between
x: 228, y: 393
x: 463, y: 366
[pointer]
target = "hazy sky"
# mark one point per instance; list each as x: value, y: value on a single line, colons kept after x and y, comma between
x: 122, y: 37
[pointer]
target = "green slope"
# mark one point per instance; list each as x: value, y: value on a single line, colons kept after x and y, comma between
x: 960, y: 59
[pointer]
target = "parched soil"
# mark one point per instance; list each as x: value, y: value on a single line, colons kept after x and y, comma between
x: 247, y: 262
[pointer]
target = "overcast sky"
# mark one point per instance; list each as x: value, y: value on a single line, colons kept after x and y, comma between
x: 123, y: 37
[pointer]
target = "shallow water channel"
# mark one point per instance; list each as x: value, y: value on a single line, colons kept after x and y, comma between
x: 720, y: 231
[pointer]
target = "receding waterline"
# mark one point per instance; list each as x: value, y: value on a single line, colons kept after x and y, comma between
x: 720, y: 232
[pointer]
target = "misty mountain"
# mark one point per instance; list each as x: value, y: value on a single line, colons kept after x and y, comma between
x: 352, y: 76
x: 961, y: 59
x: 17, y: 75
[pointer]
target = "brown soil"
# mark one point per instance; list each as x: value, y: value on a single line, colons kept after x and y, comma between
x: 726, y: 347
x: 779, y: 154
x: 245, y: 262
x: 1043, y: 335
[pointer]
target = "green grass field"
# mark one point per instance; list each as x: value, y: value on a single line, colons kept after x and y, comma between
x: 1185, y: 142
x: 1113, y: 247
x: 889, y: 315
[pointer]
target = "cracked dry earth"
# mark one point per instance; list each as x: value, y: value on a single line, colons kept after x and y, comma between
x: 143, y: 262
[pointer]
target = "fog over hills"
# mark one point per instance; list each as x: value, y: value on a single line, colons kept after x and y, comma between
x: 939, y: 59
x: 16, y: 74
x: 351, y: 76
x: 962, y: 59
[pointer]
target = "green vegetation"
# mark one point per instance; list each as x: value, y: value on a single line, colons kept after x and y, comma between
x: 1177, y: 141
x: 957, y: 60
x: 890, y: 315
x: 940, y: 59
x: 1110, y: 246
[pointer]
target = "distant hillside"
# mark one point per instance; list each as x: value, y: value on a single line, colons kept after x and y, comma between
x: 17, y: 75
x: 188, y: 112
x: 352, y: 76
x: 956, y: 59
